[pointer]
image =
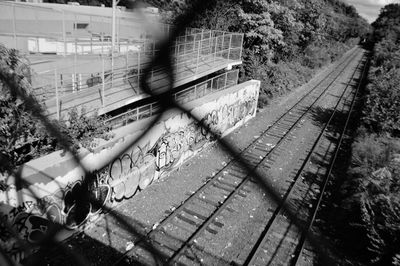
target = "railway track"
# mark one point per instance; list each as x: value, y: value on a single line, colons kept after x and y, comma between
x: 298, y: 254
x: 280, y: 240
x: 175, y: 236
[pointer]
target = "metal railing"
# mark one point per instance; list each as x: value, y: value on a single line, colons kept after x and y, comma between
x: 98, y: 77
x: 217, y: 83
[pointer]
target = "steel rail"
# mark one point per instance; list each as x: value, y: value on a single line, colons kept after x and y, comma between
x: 260, y: 243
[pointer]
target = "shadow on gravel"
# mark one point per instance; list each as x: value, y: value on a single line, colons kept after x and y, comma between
x: 194, y: 255
x: 94, y: 251
x: 106, y: 245
x: 320, y: 117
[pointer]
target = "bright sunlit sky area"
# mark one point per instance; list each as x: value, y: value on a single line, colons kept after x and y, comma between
x: 369, y: 9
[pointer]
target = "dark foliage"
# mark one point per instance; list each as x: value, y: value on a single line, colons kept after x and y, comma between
x: 382, y: 111
x: 370, y: 208
x: 371, y: 196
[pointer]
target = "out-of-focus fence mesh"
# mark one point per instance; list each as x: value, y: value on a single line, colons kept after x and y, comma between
x: 184, y: 47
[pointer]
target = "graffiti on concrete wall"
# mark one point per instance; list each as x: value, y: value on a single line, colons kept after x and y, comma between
x: 175, y: 147
x: 131, y: 170
x: 138, y: 167
x: 227, y: 116
x: 72, y: 206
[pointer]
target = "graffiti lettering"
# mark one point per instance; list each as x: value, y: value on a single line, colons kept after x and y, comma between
x: 218, y: 121
x: 175, y: 147
x: 130, y: 171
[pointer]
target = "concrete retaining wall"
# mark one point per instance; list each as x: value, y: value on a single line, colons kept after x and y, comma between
x: 57, y: 191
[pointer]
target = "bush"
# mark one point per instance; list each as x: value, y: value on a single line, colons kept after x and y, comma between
x: 371, y: 205
x: 82, y: 130
x: 263, y: 101
x: 372, y: 152
x: 382, y: 105
x: 386, y: 55
x: 276, y: 78
x: 316, y: 56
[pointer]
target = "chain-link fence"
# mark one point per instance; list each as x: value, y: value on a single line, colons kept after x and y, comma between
x: 185, y: 51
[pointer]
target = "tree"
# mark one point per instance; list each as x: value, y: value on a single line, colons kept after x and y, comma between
x: 17, y: 126
x: 387, y: 25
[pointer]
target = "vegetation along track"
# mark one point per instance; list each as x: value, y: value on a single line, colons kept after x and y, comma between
x: 175, y: 236
x: 281, y: 243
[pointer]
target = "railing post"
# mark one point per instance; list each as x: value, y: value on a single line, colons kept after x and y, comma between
x: 91, y: 36
x: 185, y: 38
x: 61, y: 82
x: 198, y: 57
x: 222, y: 44
x: 73, y: 82
x: 102, y: 83
x: 127, y: 63
x: 226, y: 79
x: 38, y: 27
x: 118, y: 37
x: 138, y: 74
x: 215, y: 47
x: 79, y: 81
x: 229, y: 48
x: 57, y: 98
x: 176, y: 52
x: 210, y: 44
x: 241, y: 46
x: 236, y: 77
x: 102, y: 38
x: 102, y: 43
x: 64, y: 34
x: 75, y: 63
